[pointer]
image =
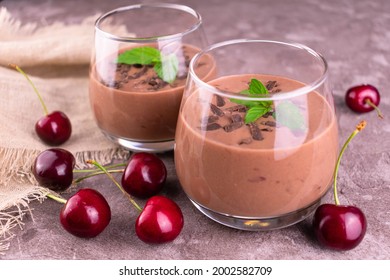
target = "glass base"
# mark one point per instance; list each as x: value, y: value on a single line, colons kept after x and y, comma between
x: 136, y: 146
x: 259, y: 223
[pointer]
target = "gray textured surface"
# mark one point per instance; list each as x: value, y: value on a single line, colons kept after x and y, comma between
x: 354, y: 36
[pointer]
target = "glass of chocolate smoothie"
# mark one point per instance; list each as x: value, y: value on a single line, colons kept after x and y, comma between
x: 256, y: 146
x: 139, y: 69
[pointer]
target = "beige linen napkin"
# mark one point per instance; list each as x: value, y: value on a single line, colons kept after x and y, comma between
x: 56, y: 58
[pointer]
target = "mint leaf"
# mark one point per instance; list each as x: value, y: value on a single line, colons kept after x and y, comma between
x: 141, y: 55
x: 256, y: 87
x: 167, y: 68
x: 288, y: 114
x: 256, y: 112
x: 257, y: 109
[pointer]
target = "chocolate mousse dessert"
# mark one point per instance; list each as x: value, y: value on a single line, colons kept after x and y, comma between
x: 135, y: 101
x: 255, y: 159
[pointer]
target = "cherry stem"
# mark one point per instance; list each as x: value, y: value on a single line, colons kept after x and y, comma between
x: 56, y: 198
x: 116, y: 183
x: 358, y: 128
x: 78, y: 180
x: 378, y: 111
x: 93, y: 170
x: 33, y: 86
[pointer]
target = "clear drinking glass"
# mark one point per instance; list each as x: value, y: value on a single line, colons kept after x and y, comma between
x: 257, y: 156
x: 138, y: 71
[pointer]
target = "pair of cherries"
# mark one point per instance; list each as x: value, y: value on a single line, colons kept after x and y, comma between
x: 87, y: 213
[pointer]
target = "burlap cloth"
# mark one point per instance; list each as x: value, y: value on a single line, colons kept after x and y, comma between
x: 56, y: 58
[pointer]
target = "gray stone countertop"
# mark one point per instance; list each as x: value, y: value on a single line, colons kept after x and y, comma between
x: 354, y: 36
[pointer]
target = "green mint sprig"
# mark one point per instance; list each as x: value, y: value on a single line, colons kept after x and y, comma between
x: 166, y: 66
x: 286, y: 113
x: 256, y: 109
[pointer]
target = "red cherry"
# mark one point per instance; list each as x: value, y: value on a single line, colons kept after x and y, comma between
x: 85, y: 214
x: 363, y: 98
x: 144, y: 175
x: 339, y: 227
x: 54, y: 129
x: 53, y: 168
x: 160, y: 221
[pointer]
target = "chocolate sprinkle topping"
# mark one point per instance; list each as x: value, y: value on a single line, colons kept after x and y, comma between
x: 237, y: 108
x: 212, y: 126
x: 245, y: 141
x: 270, y: 85
x: 236, y: 118
x: 269, y: 123
x: 139, y: 73
x: 210, y: 119
x: 216, y: 110
x: 233, y: 126
x: 220, y: 101
x: 255, y: 132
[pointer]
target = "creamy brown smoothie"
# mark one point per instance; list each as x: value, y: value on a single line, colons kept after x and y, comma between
x: 261, y: 169
x: 132, y: 102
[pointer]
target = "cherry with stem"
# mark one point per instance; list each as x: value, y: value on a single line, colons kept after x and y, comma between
x: 336, y: 226
x: 363, y: 98
x: 161, y: 220
x: 53, y: 128
x: 85, y: 214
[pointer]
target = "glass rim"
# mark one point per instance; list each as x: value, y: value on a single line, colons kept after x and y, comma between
x: 307, y: 88
x: 178, y: 7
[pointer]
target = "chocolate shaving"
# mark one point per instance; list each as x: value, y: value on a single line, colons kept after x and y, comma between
x: 269, y: 123
x: 270, y: 85
x: 139, y: 73
x: 236, y: 118
x: 276, y: 90
x: 245, y: 141
x: 210, y: 119
x: 156, y: 83
x: 267, y: 129
x: 112, y: 84
x: 216, y: 110
x: 237, y: 108
x: 220, y: 101
x: 212, y: 126
x: 233, y: 126
x: 255, y: 132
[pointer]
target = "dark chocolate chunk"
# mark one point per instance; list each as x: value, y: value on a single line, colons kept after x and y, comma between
x: 270, y: 85
x: 216, y: 110
x: 212, y: 126
x: 236, y: 118
x: 139, y: 73
x: 255, y: 132
x: 233, y: 126
x: 245, y: 141
x: 220, y: 101
x: 269, y: 123
x: 237, y: 108
x: 210, y: 119
x: 138, y: 65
